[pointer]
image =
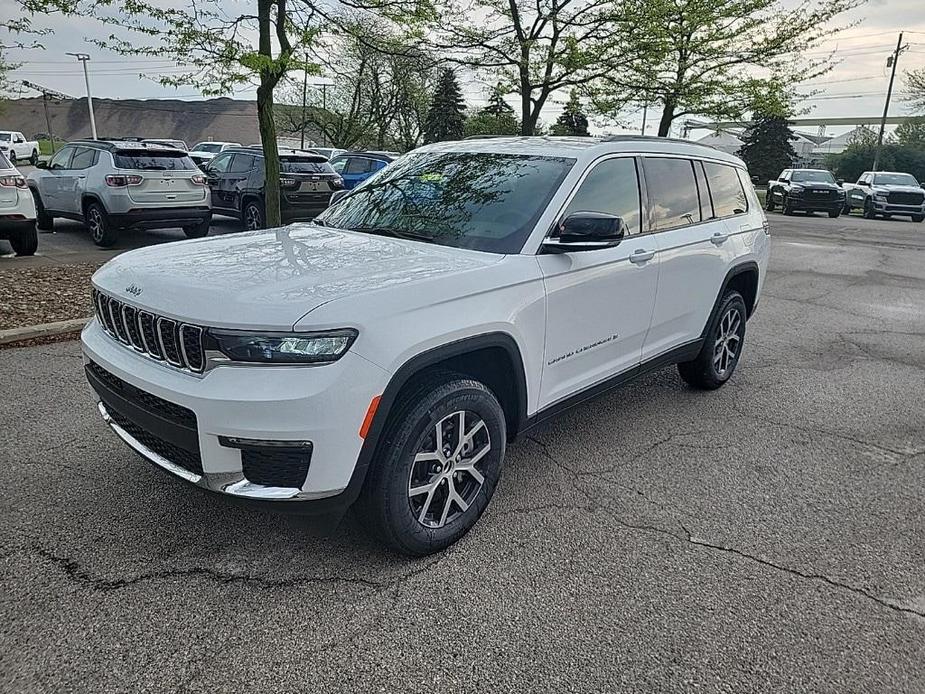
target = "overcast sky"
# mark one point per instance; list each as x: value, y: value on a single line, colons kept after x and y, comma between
x: 855, y: 87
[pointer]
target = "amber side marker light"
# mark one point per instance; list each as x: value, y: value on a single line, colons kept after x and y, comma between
x: 370, y: 413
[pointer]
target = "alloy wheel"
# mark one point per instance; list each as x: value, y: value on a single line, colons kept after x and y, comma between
x: 445, y: 476
x: 728, y: 340
x: 252, y: 219
x: 95, y: 223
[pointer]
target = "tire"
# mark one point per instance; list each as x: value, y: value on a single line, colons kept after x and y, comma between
x: 769, y: 201
x: 785, y: 206
x: 34, y: 159
x: 717, y: 360
x: 253, y: 216
x: 846, y: 209
x: 918, y: 217
x: 12, y: 157
x: 431, y: 519
x: 197, y: 231
x: 834, y: 214
x: 43, y: 220
x: 869, y: 210
x: 99, y: 225
x: 25, y: 242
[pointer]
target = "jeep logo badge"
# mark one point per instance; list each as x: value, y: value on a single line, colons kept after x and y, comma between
x: 133, y: 289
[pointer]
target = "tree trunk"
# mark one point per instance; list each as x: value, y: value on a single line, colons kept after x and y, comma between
x: 267, y: 125
x: 664, y: 125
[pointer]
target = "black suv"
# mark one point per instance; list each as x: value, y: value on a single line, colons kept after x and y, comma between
x: 236, y: 177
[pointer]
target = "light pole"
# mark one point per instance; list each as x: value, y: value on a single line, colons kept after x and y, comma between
x: 891, y: 62
x: 84, y: 58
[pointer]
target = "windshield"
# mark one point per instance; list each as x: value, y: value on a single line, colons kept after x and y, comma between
x: 895, y: 179
x: 207, y: 147
x: 154, y: 161
x: 4, y: 162
x: 304, y: 165
x: 480, y: 200
x: 813, y: 177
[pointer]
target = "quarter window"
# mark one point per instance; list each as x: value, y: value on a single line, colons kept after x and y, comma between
x: 725, y: 189
x: 672, y: 190
x: 612, y: 187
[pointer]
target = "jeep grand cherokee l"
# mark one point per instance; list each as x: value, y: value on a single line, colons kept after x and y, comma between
x: 386, y: 354
x: 111, y: 186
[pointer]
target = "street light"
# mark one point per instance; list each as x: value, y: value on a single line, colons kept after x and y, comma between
x: 84, y: 58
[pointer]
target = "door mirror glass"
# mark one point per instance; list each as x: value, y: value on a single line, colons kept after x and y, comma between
x: 840, y: 182
x: 584, y: 231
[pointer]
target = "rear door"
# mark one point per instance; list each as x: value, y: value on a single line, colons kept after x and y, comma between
x: 167, y: 177
x: 693, y: 250
x: 599, y: 302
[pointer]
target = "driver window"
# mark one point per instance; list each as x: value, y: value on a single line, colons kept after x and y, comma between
x: 612, y: 187
x: 220, y: 163
x: 62, y: 159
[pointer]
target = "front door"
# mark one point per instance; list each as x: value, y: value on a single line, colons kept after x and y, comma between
x: 215, y: 177
x: 599, y: 302
x: 50, y: 185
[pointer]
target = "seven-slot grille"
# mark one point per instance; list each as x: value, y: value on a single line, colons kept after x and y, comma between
x: 900, y: 198
x: 164, y: 339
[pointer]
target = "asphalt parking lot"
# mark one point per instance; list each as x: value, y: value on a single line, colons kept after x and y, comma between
x: 766, y: 537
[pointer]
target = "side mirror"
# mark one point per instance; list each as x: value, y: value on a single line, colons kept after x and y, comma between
x: 782, y: 179
x: 586, y: 231
x: 338, y: 195
x: 840, y: 182
x: 41, y: 164
x: 863, y: 183
x: 755, y: 180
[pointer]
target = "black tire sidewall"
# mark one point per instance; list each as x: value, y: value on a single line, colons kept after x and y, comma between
x: 25, y: 241
x: 387, y: 487
x: 107, y: 235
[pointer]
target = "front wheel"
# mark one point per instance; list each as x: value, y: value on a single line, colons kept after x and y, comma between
x: 253, y: 216
x: 25, y: 241
x: 34, y: 159
x: 99, y: 225
x: 769, y: 202
x: 785, y: 206
x: 12, y: 157
x: 439, y: 467
x: 43, y: 220
x: 834, y: 213
x: 918, y: 217
x: 721, y: 350
x: 869, y: 210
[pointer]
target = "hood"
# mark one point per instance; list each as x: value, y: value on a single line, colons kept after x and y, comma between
x: 896, y: 189
x: 820, y: 184
x: 268, y: 280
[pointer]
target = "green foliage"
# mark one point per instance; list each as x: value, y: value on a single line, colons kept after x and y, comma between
x: 496, y: 118
x: 573, y: 121
x: 915, y: 89
x: 708, y: 51
x: 766, y: 148
x: 446, y: 117
x: 894, y: 156
x: 911, y: 133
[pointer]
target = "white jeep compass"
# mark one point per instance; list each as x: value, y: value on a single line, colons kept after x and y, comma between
x: 384, y: 355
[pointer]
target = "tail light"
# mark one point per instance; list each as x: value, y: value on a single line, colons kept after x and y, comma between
x: 198, y: 180
x: 119, y: 181
x: 12, y: 182
x: 338, y: 183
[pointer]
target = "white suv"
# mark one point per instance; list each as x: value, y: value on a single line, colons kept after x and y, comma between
x: 387, y: 353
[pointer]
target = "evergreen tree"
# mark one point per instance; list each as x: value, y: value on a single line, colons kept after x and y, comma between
x: 766, y: 148
x: 446, y: 117
x: 572, y: 121
x: 497, y: 106
x: 497, y: 118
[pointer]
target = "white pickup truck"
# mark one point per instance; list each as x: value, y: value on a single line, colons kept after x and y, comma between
x: 15, y: 147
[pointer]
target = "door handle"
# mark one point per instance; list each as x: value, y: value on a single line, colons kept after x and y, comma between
x: 719, y: 238
x: 641, y: 255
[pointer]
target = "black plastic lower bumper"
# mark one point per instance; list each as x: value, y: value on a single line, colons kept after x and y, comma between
x: 161, y: 218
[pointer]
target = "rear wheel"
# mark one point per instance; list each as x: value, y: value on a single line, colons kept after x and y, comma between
x: 197, y: 231
x: 34, y: 159
x: 718, y: 357
x: 25, y: 241
x: 253, y: 215
x: 438, y: 467
x: 101, y: 229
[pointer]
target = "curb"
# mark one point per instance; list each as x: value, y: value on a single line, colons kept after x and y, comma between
x: 30, y: 332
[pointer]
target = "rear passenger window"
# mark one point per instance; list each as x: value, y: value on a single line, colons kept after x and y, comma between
x: 241, y: 163
x: 672, y: 193
x: 725, y: 189
x: 612, y: 187
x: 358, y: 165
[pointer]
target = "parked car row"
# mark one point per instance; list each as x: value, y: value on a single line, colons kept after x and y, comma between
x: 877, y: 193
x: 116, y: 185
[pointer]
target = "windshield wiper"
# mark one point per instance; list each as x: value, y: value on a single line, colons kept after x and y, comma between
x: 394, y: 233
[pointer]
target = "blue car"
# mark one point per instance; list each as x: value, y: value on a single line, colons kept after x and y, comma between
x: 356, y: 167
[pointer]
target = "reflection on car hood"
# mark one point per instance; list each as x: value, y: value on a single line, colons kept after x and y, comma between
x: 892, y: 188
x: 269, y: 279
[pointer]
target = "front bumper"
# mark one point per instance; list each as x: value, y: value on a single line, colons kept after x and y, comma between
x: 817, y: 205
x: 890, y: 208
x: 161, y: 218
x: 323, y: 405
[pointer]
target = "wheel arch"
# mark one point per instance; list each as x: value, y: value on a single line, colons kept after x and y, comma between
x: 87, y: 198
x: 744, y: 278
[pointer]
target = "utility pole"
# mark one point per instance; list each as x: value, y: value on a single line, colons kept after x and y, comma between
x: 304, y: 88
x: 47, y: 94
x: 84, y: 59
x: 645, y: 108
x: 890, y: 62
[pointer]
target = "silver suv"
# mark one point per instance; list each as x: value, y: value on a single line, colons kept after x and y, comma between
x: 111, y: 186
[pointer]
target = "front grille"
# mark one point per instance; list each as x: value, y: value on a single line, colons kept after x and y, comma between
x: 188, y: 460
x: 276, y: 468
x: 819, y: 195
x: 900, y: 198
x: 145, y: 400
x: 163, y: 339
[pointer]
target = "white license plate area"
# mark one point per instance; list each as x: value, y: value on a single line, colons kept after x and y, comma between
x: 313, y: 187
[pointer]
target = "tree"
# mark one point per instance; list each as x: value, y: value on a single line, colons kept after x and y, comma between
x: 911, y: 133
x: 446, y: 116
x: 496, y: 118
x: 915, y: 89
x: 766, y: 148
x: 539, y: 47
x: 708, y: 52
x: 572, y: 121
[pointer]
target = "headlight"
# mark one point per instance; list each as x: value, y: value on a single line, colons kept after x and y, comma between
x: 879, y: 197
x: 796, y: 190
x: 283, y: 348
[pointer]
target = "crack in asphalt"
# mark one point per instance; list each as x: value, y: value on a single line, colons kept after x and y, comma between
x: 689, y: 538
